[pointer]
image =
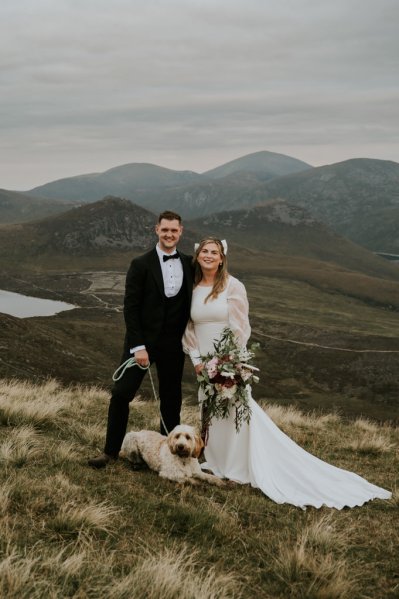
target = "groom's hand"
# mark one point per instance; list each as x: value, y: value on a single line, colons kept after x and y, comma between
x: 141, y: 357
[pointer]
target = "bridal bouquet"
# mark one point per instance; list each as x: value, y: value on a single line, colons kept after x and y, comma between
x: 225, y: 381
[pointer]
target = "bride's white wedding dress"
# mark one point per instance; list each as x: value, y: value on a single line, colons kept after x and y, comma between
x: 260, y: 453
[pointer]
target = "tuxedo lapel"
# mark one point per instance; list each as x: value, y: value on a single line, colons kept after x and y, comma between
x: 188, y: 277
x: 156, y: 271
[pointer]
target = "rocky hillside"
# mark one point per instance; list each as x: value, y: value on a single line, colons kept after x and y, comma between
x: 96, y: 229
x: 110, y: 223
x: 283, y: 228
x: 358, y: 198
x: 201, y: 199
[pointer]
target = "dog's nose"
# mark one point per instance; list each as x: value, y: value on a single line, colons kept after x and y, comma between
x: 180, y: 446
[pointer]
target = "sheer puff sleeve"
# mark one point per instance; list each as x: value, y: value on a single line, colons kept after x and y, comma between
x: 238, y: 310
x: 190, y: 343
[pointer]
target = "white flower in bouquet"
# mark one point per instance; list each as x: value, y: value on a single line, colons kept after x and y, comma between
x: 226, y: 392
x: 245, y: 374
x: 228, y: 375
x: 244, y: 355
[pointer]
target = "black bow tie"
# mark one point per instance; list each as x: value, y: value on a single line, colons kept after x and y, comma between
x: 170, y: 257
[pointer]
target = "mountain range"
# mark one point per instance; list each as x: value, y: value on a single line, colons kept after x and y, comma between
x: 141, y: 178
x: 357, y: 198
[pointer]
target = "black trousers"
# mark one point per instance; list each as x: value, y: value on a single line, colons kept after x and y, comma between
x: 169, y: 362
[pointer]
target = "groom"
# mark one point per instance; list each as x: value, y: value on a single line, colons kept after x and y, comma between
x: 156, y: 309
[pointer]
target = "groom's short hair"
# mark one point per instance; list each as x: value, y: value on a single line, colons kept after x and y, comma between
x: 169, y: 215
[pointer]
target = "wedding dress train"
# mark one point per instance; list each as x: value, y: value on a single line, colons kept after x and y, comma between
x: 260, y: 453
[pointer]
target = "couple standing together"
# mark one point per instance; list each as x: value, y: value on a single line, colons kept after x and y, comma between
x: 175, y: 305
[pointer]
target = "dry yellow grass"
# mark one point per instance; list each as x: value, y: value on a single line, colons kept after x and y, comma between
x: 370, y: 442
x: 289, y: 417
x: 72, y: 518
x: 21, y: 446
x: 69, y: 531
x: 173, y: 573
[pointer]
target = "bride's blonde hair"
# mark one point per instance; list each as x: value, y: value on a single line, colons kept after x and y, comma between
x: 221, y: 276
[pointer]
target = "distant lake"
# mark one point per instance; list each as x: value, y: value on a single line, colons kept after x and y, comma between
x: 23, y: 306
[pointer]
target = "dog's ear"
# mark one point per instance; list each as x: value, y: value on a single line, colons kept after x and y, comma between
x: 169, y: 441
x: 199, y: 445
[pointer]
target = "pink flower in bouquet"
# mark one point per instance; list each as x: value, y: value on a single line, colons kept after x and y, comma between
x: 211, y: 367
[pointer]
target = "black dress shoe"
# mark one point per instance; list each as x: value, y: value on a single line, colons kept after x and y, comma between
x: 101, y: 461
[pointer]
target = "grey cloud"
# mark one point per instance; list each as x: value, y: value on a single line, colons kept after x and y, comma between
x: 181, y: 83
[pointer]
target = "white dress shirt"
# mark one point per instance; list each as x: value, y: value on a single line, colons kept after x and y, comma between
x: 172, y: 272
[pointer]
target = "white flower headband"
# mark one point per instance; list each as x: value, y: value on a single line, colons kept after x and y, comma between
x: 222, y: 241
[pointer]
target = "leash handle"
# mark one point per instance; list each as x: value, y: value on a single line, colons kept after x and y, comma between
x: 123, y: 367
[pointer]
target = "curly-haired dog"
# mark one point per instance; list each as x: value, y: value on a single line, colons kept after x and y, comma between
x: 174, y: 457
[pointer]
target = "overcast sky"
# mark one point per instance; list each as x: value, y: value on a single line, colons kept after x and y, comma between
x: 86, y: 85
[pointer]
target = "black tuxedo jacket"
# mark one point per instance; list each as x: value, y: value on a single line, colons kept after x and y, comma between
x: 145, y: 300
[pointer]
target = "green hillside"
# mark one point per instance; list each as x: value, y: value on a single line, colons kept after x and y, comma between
x: 328, y: 337
x: 324, y: 310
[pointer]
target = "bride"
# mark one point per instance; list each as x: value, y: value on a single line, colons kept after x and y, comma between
x: 260, y: 453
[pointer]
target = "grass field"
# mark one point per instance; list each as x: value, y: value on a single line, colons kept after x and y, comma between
x: 69, y: 531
